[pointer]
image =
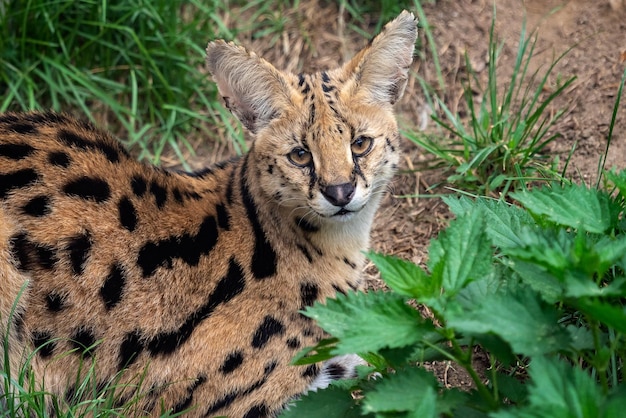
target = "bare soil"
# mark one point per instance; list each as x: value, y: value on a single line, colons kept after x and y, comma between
x: 318, y: 35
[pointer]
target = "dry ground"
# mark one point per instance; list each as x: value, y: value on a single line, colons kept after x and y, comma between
x: 317, y: 36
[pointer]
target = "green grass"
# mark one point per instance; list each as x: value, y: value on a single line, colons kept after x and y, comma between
x: 501, y: 143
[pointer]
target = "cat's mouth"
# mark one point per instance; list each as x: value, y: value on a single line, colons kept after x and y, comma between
x: 342, y: 211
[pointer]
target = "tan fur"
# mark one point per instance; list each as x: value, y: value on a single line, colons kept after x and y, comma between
x: 175, y: 273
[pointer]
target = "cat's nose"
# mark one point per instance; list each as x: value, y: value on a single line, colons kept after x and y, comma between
x: 340, y: 194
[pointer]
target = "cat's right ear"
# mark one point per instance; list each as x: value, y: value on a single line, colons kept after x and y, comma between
x: 253, y: 90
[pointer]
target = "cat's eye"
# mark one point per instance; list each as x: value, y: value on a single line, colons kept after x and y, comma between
x: 361, y: 146
x: 300, y: 157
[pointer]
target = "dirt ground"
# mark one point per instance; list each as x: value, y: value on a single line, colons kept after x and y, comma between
x: 317, y: 36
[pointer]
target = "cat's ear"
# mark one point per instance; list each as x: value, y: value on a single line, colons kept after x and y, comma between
x: 380, y: 70
x: 253, y: 90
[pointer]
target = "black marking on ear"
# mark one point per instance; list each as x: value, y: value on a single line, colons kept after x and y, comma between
x: 130, y: 349
x: 113, y: 286
x: 257, y: 411
x: 306, y: 253
x: 83, y: 340
x: 293, y: 343
x: 232, y: 362
x: 79, y: 248
x: 128, y: 214
x: 311, y: 371
x: 16, y: 151
x: 42, y: 341
x: 306, y: 226
x: 17, y: 180
x: 308, y: 294
x: 264, y: 256
x: 38, y: 206
x: 223, y: 218
x: 55, y: 302
x: 59, y: 159
x: 188, y: 248
x: 160, y: 194
x: 73, y: 139
x: 266, y: 330
x: 186, y: 402
x: 227, y: 288
x: 139, y: 185
x: 88, y: 188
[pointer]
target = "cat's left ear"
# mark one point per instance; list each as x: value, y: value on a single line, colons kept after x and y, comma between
x: 380, y: 71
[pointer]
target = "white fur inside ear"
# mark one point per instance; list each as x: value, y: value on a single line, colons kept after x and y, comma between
x: 253, y: 90
x: 383, y: 66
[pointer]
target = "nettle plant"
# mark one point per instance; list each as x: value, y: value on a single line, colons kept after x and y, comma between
x: 538, y: 286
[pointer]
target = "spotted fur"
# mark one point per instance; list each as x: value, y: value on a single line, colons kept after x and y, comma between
x: 194, y: 282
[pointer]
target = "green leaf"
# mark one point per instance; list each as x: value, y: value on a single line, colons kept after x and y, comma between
x: 332, y: 402
x: 504, y: 220
x: 370, y: 321
x: 611, y: 315
x: 519, y: 317
x: 411, y: 390
x: 618, y: 179
x: 404, y: 277
x: 538, y: 279
x: 461, y: 253
x: 573, y: 205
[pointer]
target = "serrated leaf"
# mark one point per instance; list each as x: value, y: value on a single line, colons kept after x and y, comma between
x: 408, y: 390
x: 504, y: 220
x: 538, y: 279
x: 405, y: 277
x: 369, y: 321
x: 618, y: 179
x: 332, y: 402
x: 611, y: 315
x: 518, y: 317
x: 461, y: 253
x: 572, y: 205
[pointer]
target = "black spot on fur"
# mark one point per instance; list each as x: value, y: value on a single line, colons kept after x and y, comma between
x: 264, y: 256
x: 70, y: 395
x: 187, y: 247
x: 339, y: 290
x: 229, y: 188
x: 83, y: 340
x: 223, y: 219
x: 228, y: 287
x: 293, y: 343
x: 308, y: 294
x: 306, y: 226
x: 130, y: 349
x: 72, y: 139
x: 88, y: 188
x: 16, y: 180
x: 18, y: 324
x: 59, y: 158
x: 231, y: 363
x: 159, y: 193
x: 268, y: 328
x: 54, y: 302
x: 335, y: 371
x: 79, y: 248
x: 257, y: 411
x: 311, y: 371
x: 48, y: 118
x: 305, y: 252
x: 29, y: 254
x: 16, y: 151
x: 42, y: 341
x: 230, y: 397
x: 128, y: 214
x: 349, y: 263
x: 186, y: 403
x: 178, y: 197
x: 139, y: 185
x: 113, y: 286
x: 325, y: 77
x: 37, y: 206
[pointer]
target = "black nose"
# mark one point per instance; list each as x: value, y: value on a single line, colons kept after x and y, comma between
x: 340, y: 194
